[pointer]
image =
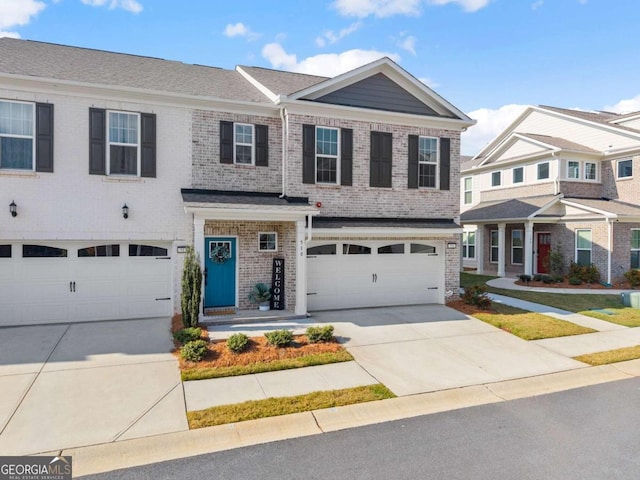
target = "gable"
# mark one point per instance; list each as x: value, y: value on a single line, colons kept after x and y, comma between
x: 517, y: 149
x: 378, y: 92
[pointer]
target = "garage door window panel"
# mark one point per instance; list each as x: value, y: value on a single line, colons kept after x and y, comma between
x: 5, y: 251
x: 100, y: 251
x: 422, y: 248
x: 42, y: 251
x: 136, y: 250
x: 329, y: 249
x: 352, y: 249
x: 391, y: 249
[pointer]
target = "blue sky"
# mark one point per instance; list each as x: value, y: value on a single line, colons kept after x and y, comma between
x: 487, y: 57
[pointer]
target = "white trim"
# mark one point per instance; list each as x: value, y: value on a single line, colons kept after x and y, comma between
x: 436, y: 185
x: 248, y: 212
x: 590, y: 249
x: 392, y: 232
x: 618, y: 177
x: 264, y: 90
x: 521, y: 247
x: 337, y: 156
x: 109, y: 143
x: 464, y: 245
x: 491, y: 179
x: 243, y: 144
x: 464, y: 190
x: 538, y: 165
x: 267, y: 249
x: 513, y: 182
x: 32, y: 137
x: 492, y: 246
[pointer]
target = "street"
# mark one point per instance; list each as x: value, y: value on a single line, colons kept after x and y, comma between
x: 587, y: 433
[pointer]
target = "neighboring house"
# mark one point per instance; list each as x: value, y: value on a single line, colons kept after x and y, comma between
x: 555, y: 179
x: 352, y: 181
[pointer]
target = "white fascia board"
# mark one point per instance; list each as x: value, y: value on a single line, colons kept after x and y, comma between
x: 250, y: 213
x: 498, y: 140
x: 21, y: 83
x: 264, y: 90
x: 511, y: 140
x: 302, y: 107
x: 395, y: 73
x: 628, y: 117
x: 383, y: 232
x: 589, y: 209
x: 545, y: 207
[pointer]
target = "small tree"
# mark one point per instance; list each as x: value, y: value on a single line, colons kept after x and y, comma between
x: 191, y: 289
x: 556, y: 264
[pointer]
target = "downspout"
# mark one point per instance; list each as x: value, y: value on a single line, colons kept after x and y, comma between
x: 309, y: 225
x: 609, y: 246
x: 556, y: 182
x: 285, y: 135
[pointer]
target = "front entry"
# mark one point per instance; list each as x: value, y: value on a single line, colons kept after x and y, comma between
x: 220, y: 272
x: 543, y: 240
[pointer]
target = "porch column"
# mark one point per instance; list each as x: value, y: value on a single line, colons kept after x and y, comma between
x: 501, y: 249
x: 528, y: 248
x: 480, y: 233
x: 198, y: 246
x: 301, y: 269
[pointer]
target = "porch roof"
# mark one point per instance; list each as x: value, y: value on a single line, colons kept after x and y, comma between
x: 352, y: 222
x: 190, y: 195
x: 511, y: 209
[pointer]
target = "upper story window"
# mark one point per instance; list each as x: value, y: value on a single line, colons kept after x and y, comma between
x: 26, y: 136
x: 427, y: 162
x: 590, y: 171
x: 573, y: 170
x: 496, y: 179
x: 468, y: 190
x: 327, y: 159
x: 243, y: 143
x: 543, y: 171
x: 625, y: 168
x: 518, y: 175
x: 122, y: 143
x: 578, y: 170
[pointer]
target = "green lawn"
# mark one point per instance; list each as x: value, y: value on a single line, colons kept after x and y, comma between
x: 272, y: 407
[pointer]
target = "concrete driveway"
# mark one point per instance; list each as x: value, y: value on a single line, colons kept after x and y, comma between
x: 421, y: 349
x: 82, y: 384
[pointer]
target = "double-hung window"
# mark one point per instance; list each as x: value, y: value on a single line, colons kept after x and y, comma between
x: 468, y: 190
x: 124, y: 143
x: 625, y: 168
x: 469, y: 245
x: 427, y: 162
x: 635, y: 248
x: 516, y: 247
x: 327, y: 159
x: 243, y: 145
x: 583, y: 246
x: 17, y: 126
x: 495, y: 242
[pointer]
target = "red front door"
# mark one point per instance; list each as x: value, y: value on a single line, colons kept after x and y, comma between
x: 544, y: 246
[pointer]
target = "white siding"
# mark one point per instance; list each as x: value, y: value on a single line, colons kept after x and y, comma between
x: 518, y: 149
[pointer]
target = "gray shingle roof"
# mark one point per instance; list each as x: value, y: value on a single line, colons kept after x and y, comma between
x: 560, y: 143
x: 38, y: 59
x: 282, y: 83
x: 612, y: 206
x: 604, y: 118
x: 505, y: 209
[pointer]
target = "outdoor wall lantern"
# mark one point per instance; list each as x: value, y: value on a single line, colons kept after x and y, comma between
x: 13, y: 208
x: 125, y: 211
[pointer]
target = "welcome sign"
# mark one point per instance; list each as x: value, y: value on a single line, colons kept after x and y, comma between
x: 277, y: 284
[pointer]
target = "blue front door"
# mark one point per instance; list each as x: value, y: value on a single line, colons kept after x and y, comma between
x: 220, y: 278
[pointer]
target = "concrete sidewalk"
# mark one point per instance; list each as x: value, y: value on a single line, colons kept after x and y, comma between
x: 509, y: 283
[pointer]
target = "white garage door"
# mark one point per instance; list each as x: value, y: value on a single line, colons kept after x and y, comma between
x: 51, y: 282
x: 369, y: 274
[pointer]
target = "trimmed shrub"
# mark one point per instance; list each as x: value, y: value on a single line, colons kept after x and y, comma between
x: 320, y: 334
x: 237, y: 342
x: 477, y: 295
x: 194, y: 351
x: 538, y: 277
x: 633, y: 277
x: 547, y: 279
x: 187, y: 334
x: 586, y: 273
x: 279, y: 338
x: 557, y: 278
x: 575, y: 281
x: 525, y: 278
x: 191, y: 288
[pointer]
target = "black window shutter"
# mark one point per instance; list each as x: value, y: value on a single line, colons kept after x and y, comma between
x: 445, y: 163
x: 44, y: 137
x: 412, y: 174
x: 226, y: 142
x: 381, y: 153
x: 262, y: 145
x: 346, y: 156
x: 308, y: 154
x: 97, y: 141
x: 148, y: 145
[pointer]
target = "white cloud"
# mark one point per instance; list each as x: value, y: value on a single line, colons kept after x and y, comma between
x: 240, y: 30
x: 332, y: 37
x: 388, y: 8
x: 537, y: 4
x: 627, y: 105
x: 132, y: 6
x: 14, y: 13
x: 327, y: 65
x: 408, y: 44
x: 490, y: 124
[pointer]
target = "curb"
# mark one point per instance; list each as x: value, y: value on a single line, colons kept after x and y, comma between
x: 142, y: 451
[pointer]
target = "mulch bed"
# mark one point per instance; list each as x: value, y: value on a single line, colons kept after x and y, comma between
x: 565, y: 284
x: 467, y: 309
